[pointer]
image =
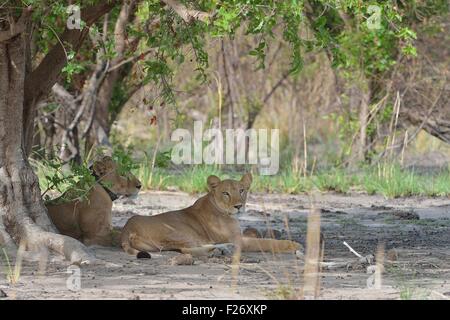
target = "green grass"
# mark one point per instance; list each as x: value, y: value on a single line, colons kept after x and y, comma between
x: 413, y: 293
x: 335, y: 180
x: 406, y: 293
x: 393, y: 182
x: 282, y: 292
x: 436, y: 223
x: 389, y: 180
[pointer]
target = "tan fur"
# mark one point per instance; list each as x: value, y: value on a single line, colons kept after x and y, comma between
x: 89, y: 220
x: 209, y: 221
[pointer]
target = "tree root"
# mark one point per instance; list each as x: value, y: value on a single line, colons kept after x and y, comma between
x: 6, y: 242
x: 37, y: 242
x: 73, y: 250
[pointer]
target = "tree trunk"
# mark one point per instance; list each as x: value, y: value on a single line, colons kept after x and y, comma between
x: 102, y: 121
x: 23, y: 216
x: 363, y: 118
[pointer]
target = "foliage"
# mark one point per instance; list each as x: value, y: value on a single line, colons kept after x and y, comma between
x: 123, y: 158
x: 360, y: 35
x: 70, y: 183
x: 72, y: 67
x: 73, y: 181
x: 162, y: 159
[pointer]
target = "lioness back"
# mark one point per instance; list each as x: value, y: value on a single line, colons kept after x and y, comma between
x: 166, y: 231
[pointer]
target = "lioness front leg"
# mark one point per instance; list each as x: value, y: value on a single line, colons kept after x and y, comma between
x: 268, y: 245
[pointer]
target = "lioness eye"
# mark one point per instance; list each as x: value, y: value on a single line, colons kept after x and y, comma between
x: 226, y: 193
x: 241, y: 191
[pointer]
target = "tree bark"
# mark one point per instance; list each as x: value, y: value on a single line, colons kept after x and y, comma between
x: 103, y: 118
x: 23, y: 216
x: 363, y: 118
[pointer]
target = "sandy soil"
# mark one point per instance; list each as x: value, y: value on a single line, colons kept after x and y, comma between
x: 418, y: 229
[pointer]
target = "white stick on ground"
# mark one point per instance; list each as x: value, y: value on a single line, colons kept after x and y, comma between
x: 352, y: 250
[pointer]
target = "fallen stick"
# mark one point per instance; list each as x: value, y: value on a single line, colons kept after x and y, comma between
x: 333, y: 265
x: 443, y: 296
x: 352, y: 250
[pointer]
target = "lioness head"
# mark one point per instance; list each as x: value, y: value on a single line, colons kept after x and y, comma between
x: 124, y: 184
x: 229, y: 196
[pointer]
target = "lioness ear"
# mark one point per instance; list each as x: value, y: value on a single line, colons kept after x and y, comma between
x: 212, y: 181
x: 247, y: 179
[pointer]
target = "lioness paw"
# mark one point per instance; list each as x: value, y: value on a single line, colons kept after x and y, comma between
x: 224, y: 249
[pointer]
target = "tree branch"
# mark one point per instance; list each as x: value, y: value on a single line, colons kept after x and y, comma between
x: 42, y: 79
x: 188, y: 15
x: 275, y: 87
x: 131, y: 59
x: 62, y: 96
x: 16, y: 28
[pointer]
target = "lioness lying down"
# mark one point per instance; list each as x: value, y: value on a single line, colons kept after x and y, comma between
x: 202, y: 227
x: 89, y: 220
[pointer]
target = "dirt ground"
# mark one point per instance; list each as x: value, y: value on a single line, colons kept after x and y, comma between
x: 415, y: 233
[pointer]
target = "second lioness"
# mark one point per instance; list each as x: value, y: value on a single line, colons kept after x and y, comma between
x: 90, y: 220
x: 208, y: 222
